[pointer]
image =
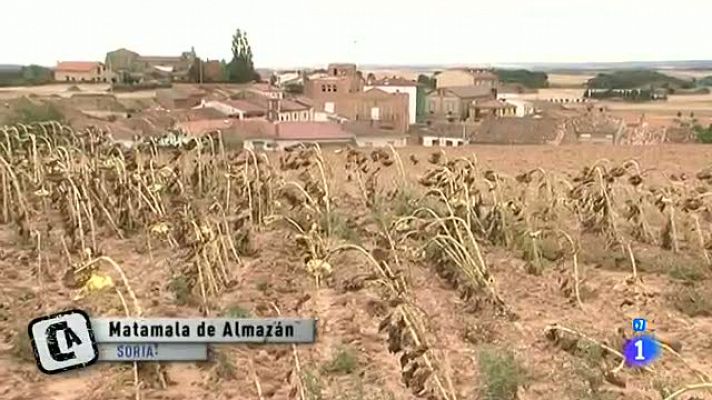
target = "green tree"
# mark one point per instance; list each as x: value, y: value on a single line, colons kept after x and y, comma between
x: 241, y: 69
x: 426, y: 81
x: 526, y: 78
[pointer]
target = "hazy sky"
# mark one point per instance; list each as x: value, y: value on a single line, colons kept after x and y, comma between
x: 287, y: 33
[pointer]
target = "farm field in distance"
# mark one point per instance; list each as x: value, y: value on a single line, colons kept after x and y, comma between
x: 570, y: 79
x: 479, y: 272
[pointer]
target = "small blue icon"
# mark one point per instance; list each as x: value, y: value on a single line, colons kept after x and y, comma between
x: 639, y: 325
x: 641, y: 351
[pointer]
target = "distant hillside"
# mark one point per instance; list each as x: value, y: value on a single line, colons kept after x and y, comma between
x: 17, y: 75
x: 4, y: 68
x: 633, y: 79
x: 529, y: 79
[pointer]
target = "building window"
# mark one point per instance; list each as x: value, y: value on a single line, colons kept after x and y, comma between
x: 375, y: 113
x: 334, y: 88
x: 323, y: 88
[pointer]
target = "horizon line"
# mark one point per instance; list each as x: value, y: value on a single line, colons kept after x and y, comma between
x: 386, y: 65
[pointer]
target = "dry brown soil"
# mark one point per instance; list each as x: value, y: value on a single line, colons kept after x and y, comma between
x: 275, y: 275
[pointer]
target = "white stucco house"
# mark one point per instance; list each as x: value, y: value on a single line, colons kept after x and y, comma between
x: 239, y: 109
x: 398, y: 85
x: 523, y: 107
x: 442, y: 140
x: 289, y: 78
x: 382, y: 140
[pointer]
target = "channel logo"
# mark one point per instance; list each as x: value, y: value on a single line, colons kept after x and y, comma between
x: 63, y: 341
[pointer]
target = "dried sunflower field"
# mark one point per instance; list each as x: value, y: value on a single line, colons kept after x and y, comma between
x: 469, y: 273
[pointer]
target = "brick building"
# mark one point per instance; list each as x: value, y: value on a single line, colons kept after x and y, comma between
x: 81, y: 71
x: 454, y: 103
x: 340, y: 91
x: 339, y: 79
x: 388, y: 111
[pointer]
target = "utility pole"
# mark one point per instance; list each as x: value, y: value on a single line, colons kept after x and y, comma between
x: 201, y: 70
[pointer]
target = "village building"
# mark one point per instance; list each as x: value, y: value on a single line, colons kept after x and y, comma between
x: 287, y: 78
x: 522, y: 108
x: 366, y: 135
x: 268, y: 135
x: 382, y: 110
x: 441, y: 139
x: 459, y: 77
x: 131, y: 67
x: 81, y: 71
x: 454, y: 103
x: 598, y: 127
x: 398, y: 85
x: 238, y: 109
x: 261, y: 90
x: 341, y: 94
x: 202, y: 127
x: 480, y: 109
x: 340, y: 79
x: 197, y: 114
x: 256, y: 104
x: 443, y: 133
x: 212, y: 71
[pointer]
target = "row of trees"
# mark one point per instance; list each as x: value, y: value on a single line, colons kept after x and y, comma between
x: 26, y: 75
x: 240, y: 68
x: 631, y: 79
x: 625, y: 94
x: 524, y: 77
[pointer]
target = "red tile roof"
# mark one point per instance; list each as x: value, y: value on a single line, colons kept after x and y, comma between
x: 204, y: 126
x: 262, y: 103
x: 77, y: 66
x: 197, y: 114
x: 246, y: 106
x: 264, y: 87
x: 292, y: 105
x: 298, y: 131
